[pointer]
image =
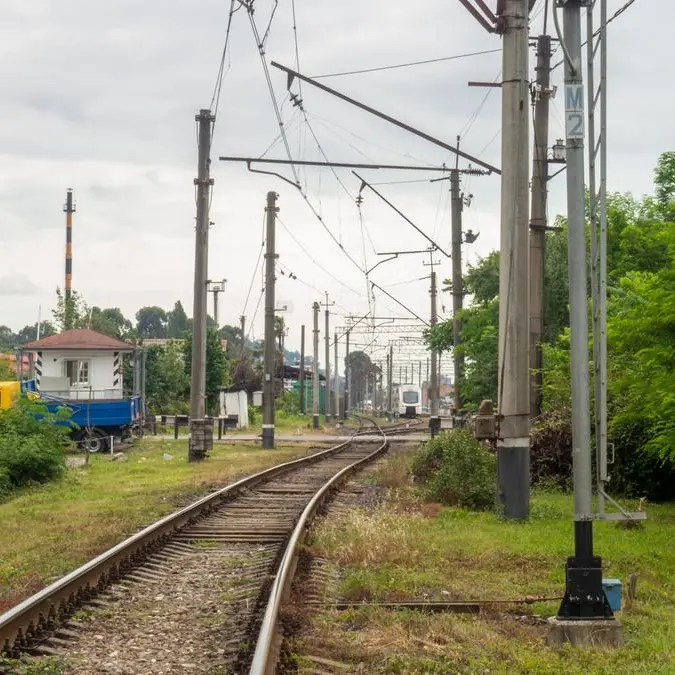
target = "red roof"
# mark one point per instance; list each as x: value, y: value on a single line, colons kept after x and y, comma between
x: 79, y: 338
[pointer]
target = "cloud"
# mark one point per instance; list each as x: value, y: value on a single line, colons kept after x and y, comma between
x: 18, y: 285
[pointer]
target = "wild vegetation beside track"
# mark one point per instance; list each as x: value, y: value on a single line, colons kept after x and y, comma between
x: 409, y: 549
x: 49, y: 530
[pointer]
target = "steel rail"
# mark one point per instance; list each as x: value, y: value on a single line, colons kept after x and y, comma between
x: 40, y: 610
x: 268, y: 643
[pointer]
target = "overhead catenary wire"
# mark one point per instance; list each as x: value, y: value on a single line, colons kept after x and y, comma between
x: 408, y: 64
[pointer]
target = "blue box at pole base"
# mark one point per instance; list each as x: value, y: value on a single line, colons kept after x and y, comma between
x: 612, y: 588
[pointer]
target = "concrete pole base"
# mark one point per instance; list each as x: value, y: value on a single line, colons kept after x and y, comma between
x: 315, y: 421
x: 201, y: 439
x: 592, y: 633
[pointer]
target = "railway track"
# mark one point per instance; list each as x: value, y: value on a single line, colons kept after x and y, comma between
x: 198, y: 591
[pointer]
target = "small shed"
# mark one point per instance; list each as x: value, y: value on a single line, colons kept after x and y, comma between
x: 79, y: 364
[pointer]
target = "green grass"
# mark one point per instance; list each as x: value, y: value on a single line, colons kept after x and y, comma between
x: 49, y: 530
x: 397, y: 552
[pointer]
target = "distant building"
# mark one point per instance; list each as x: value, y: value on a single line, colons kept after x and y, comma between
x: 10, y: 359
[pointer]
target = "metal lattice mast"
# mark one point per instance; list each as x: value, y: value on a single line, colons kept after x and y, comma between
x: 597, y: 187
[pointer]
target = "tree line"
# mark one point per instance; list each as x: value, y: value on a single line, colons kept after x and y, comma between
x: 640, y: 331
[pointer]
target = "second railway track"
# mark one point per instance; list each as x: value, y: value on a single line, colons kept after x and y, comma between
x: 199, y: 591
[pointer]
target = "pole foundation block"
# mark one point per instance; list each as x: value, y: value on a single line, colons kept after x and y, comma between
x: 580, y: 633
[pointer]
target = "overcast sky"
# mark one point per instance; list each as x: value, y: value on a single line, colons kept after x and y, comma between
x: 101, y: 97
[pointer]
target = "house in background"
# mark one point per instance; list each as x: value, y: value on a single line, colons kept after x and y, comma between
x: 79, y: 364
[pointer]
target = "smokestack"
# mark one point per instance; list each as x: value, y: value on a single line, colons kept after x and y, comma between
x: 69, y: 208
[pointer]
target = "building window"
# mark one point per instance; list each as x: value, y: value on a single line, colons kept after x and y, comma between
x: 77, y: 372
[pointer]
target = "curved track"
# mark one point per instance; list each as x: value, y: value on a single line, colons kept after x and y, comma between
x: 250, y: 531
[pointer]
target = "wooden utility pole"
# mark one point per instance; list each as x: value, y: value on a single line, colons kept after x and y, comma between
x: 270, y: 351
x: 513, y: 442
x: 538, y: 221
x: 198, y: 444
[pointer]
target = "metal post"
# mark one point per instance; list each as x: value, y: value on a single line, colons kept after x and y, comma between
x: 203, y: 182
x: 315, y: 369
x: 270, y: 351
x: 538, y: 221
x: 326, y: 406
x: 457, y: 291
x: 434, y: 419
x: 584, y: 596
x: 69, y: 208
x: 348, y: 380
x: 391, y: 379
x: 301, y: 388
x: 336, y: 381
x: 419, y: 374
x: 513, y: 443
x: 242, y: 322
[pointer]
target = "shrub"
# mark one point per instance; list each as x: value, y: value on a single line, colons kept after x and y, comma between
x: 32, y: 445
x: 457, y: 470
x: 551, y: 450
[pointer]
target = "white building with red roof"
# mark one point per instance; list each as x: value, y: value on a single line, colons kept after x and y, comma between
x: 79, y: 364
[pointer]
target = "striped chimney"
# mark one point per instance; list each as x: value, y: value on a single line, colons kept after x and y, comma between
x: 69, y: 208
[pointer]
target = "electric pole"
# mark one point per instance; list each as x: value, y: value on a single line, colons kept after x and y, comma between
x: 69, y: 209
x: 270, y: 351
x: 198, y: 443
x: 391, y: 379
x: 584, y: 595
x: 457, y: 206
x: 215, y: 287
x: 327, y: 401
x: 315, y: 369
x: 434, y: 419
x: 242, y: 323
x: 301, y: 376
x: 348, y: 376
x: 513, y: 441
x: 538, y: 221
x: 336, y: 381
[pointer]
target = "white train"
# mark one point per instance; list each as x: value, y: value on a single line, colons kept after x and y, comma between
x: 408, y: 400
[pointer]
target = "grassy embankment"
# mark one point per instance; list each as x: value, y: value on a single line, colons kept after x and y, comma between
x: 409, y: 550
x: 49, y: 530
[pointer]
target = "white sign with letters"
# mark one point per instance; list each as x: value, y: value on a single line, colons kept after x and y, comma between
x: 574, y: 111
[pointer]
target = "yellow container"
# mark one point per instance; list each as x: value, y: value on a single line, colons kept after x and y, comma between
x: 9, y: 392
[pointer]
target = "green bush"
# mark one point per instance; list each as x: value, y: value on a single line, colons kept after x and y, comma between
x: 253, y: 414
x: 458, y: 470
x: 32, y: 445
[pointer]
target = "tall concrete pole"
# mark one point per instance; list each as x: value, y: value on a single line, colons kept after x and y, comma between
x: 327, y: 398
x: 538, y: 221
x: 457, y: 290
x: 336, y: 381
x: 348, y: 380
x: 513, y: 442
x: 242, y: 323
x: 391, y: 379
x: 215, y: 306
x: 69, y: 209
x: 270, y: 351
x: 434, y: 419
x: 315, y: 369
x: 301, y: 388
x: 203, y: 182
x: 584, y: 596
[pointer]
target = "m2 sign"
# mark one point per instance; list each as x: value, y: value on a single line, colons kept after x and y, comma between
x: 574, y: 111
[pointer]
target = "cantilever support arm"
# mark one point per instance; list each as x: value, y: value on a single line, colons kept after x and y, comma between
x: 292, y: 74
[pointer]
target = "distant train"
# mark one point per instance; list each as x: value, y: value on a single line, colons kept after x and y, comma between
x: 408, y: 400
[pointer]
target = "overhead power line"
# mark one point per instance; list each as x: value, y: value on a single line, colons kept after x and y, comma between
x: 409, y: 64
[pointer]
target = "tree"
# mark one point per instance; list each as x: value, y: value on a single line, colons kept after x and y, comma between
x: 166, y: 382
x: 177, y: 321
x: 71, y: 314
x: 217, y: 367
x: 361, y: 370
x: 29, y: 333
x: 110, y: 322
x: 6, y: 339
x: 151, y: 322
x: 664, y: 180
